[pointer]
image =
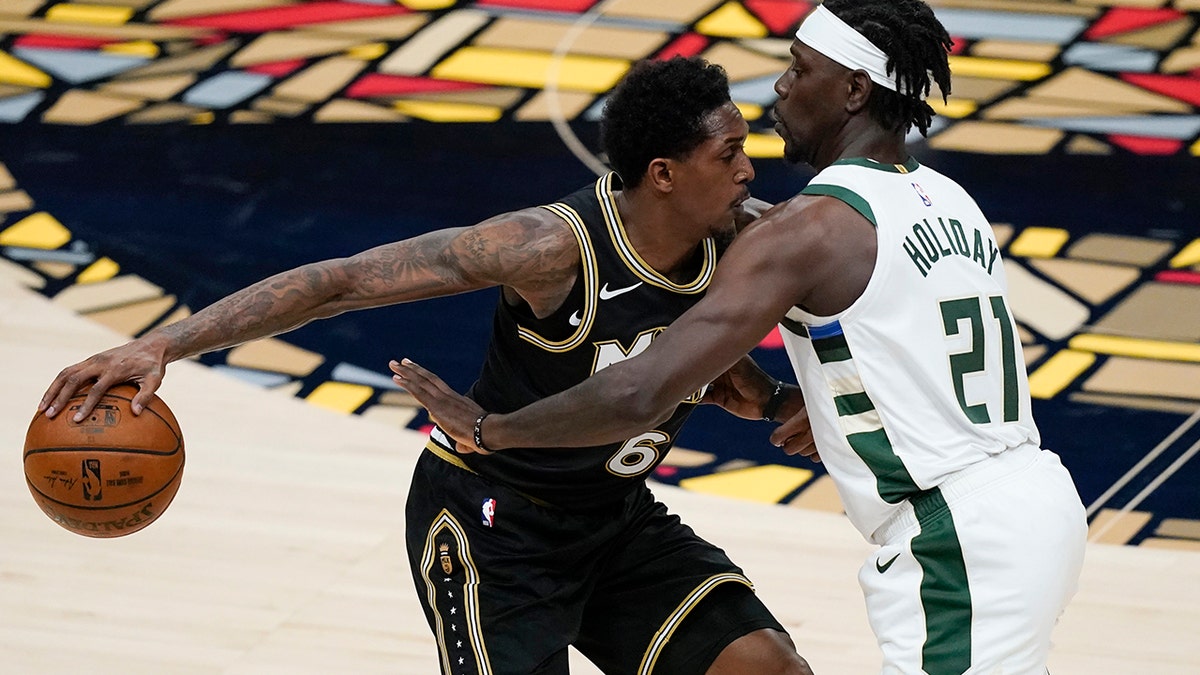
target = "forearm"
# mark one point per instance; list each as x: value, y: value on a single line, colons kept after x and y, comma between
x: 275, y: 305
x: 430, y: 265
x: 606, y: 408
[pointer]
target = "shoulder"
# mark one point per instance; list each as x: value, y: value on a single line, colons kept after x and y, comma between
x: 807, y: 216
x: 536, y: 227
x: 815, y: 232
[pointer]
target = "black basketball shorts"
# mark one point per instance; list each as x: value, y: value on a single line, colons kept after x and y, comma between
x: 508, y: 583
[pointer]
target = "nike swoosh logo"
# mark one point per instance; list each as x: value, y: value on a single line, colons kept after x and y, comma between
x: 606, y: 294
x: 885, y: 566
x: 575, y: 320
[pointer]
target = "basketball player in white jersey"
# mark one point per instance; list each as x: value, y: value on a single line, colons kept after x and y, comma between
x: 887, y: 283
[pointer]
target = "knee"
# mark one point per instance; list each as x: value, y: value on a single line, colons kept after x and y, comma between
x: 795, y: 665
x: 763, y: 652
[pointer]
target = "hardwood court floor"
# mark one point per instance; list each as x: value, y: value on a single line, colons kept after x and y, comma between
x: 283, y: 551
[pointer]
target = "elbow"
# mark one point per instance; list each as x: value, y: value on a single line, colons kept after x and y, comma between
x: 643, y: 406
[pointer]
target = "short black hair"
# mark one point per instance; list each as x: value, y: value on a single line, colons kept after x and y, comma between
x: 658, y: 110
x: 917, y: 47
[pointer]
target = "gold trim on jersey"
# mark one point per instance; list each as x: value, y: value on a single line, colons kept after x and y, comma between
x: 591, y: 277
x: 663, y: 636
x: 616, y: 230
x: 430, y: 563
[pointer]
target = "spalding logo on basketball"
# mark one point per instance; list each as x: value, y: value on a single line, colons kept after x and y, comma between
x: 110, y: 474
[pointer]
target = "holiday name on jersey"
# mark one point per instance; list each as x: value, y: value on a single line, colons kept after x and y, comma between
x: 930, y: 243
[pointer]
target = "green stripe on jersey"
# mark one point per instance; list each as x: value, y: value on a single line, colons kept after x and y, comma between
x: 853, y: 404
x: 892, y: 479
x: 832, y: 349
x: 910, y: 165
x: 851, y: 198
x: 794, y: 327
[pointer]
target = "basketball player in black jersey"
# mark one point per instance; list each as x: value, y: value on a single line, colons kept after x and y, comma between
x: 517, y: 555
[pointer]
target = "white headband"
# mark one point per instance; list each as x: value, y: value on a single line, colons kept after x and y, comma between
x: 831, y: 36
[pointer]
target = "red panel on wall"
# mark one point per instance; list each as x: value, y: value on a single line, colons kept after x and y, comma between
x: 574, y: 6
x: 779, y: 16
x: 278, y: 18
x: 1144, y: 145
x: 376, y: 84
x: 1183, y: 88
x: 1125, y: 19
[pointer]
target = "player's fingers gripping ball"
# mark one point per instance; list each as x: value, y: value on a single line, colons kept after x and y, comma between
x: 112, y: 473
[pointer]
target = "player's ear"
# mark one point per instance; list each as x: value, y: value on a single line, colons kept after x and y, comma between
x: 659, y: 175
x: 859, y: 86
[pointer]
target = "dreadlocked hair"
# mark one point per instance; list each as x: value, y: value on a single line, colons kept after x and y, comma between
x: 917, y: 47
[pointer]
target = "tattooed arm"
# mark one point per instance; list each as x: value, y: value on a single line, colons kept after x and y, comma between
x: 532, y: 253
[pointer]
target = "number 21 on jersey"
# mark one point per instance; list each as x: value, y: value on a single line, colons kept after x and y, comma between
x: 987, y: 325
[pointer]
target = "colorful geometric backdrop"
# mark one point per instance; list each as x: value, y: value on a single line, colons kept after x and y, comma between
x: 1030, y: 77
x: 156, y: 155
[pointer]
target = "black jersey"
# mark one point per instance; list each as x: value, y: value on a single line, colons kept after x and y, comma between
x: 616, y: 307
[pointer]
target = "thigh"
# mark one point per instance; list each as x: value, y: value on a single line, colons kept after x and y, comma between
x: 1023, y: 543
x: 979, y: 586
x: 666, y: 601
x: 502, y: 580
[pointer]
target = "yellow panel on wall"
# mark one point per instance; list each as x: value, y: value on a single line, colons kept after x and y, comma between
x: 101, y: 270
x: 440, y: 111
x: 764, y: 145
x: 1137, y: 348
x: 1059, y: 372
x: 1004, y: 69
x: 94, y: 14
x: 15, y: 71
x: 1190, y: 255
x: 768, y: 484
x: 732, y: 20
x: 427, y: 4
x: 531, y: 69
x: 40, y: 230
x: 340, y: 396
x: 133, y: 48
x: 1039, y: 242
x: 955, y: 108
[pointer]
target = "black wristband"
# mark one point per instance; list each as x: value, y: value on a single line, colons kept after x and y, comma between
x: 773, y: 404
x: 479, y: 431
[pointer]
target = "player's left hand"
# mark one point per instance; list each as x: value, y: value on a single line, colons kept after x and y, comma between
x: 454, y: 413
x: 742, y: 390
x: 795, y: 436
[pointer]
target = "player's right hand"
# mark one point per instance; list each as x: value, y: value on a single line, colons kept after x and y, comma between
x: 454, y: 413
x: 140, y: 362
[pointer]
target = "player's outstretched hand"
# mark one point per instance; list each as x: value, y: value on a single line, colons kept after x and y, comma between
x: 454, y: 413
x: 795, y: 436
x: 141, y: 362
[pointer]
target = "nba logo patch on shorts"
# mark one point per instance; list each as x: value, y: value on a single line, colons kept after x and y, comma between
x: 489, y: 511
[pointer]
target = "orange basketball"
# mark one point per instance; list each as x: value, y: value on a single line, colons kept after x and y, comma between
x: 110, y: 475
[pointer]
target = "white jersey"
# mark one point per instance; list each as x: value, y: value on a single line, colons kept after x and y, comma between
x: 923, y: 375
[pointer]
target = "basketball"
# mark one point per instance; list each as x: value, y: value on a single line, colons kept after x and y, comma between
x: 110, y: 475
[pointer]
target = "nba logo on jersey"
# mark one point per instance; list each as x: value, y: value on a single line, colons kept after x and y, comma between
x: 921, y: 193
x: 489, y: 511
